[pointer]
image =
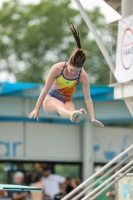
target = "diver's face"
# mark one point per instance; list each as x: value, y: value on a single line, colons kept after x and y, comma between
x: 72, y: 70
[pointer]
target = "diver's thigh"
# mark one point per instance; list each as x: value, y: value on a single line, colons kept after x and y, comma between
x: 70, y: 106
x: 51, y: 105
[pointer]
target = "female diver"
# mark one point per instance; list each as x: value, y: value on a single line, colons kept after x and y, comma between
x: 61, y: 83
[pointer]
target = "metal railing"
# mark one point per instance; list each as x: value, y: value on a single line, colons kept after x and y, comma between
x: 84, y: 192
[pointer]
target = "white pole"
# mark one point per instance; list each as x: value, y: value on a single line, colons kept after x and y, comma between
x: 109, y: 179
x: 97, y: 38
x: 101, y: 178
x: 88, y: 132
x: 113, y: 182
x: 94, y: 175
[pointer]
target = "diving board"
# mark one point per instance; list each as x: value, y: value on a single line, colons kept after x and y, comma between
x: 18, y: 188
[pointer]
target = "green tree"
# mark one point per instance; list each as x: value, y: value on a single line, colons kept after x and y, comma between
x: 34, y: 37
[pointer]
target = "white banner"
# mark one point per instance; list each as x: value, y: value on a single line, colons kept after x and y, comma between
x: 124, y: 52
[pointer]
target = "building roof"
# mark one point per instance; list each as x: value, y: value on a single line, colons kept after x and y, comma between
x: 32, y: 90
x: 20, y: 89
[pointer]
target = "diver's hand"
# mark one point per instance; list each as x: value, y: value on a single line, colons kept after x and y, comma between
x: 96, y: 122
x: 34, y: 114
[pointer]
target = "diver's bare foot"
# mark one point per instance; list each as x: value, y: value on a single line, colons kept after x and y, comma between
x: 81, y: 116
x: 74, y: 115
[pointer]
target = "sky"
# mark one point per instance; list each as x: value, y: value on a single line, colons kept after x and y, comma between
x: 109, y: 13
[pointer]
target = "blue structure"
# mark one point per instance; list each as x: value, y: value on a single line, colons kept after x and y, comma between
x: 102, y: 97
x: 32, y: 91
x: 98, y: 93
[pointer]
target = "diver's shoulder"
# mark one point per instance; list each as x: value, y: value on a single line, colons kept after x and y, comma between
x: 57, y: 68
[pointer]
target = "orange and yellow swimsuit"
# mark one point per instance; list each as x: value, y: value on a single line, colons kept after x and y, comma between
x: 64, y: 88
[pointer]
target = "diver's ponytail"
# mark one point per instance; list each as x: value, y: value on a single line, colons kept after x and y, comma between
x: 78, y: 57
x: 76, y: 35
